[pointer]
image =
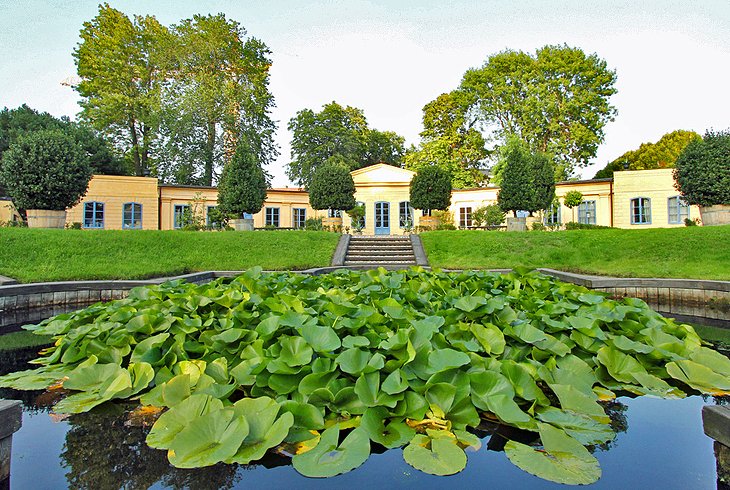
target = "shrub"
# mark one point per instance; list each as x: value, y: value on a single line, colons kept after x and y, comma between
x: 45, y: 170
x: 357, y: 215
x: 491, y: 215
x: 702, y: 171
x: 528, y: 179
x: 332, y: 186
x: 431, y: 188
x: 313, y: 224
x: 445, y: 218
x: 242, y: 188
x: 537, y: 226
x: 584, y: 226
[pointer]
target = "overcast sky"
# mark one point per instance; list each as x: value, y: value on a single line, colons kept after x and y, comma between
x: 390, y: 58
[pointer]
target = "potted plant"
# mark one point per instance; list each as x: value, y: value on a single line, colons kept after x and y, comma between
x: 242, y: 188
x: 332, y: 188
x: 357, y: 217
x: 45, y: 172
x: 702, y: 176
x: 430, y: 189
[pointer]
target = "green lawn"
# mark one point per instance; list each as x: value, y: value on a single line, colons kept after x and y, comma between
x: 691, y: 252
x: 23, y: 340
x: 31, y: 255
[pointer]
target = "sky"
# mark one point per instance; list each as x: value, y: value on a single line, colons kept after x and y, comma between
x: 390, y: 58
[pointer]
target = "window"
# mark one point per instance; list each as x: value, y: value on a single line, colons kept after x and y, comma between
x: 181, y: 215
x: 552, y: 215
x: 465, y: 217
x: 405, y: 214
x: 426, y: 212
x: 334, y: 213
x: 587, y: 213
x: 641, y: 211
x: 300, y: 217
x: 93, y: 214
x: 678, y: 210
x: 132, y: 216
x: 272, y: 217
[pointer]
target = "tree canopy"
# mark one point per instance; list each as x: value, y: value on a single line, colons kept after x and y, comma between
x: 556, y: 101
x: 662, y: 154
x: 528, y: 182
x: 23, y: 120
x: 431, y: 188
x: 243, y: 185
x: 338, y: 130
x: 45, y: 169
x: 702, y: 171
x: 176, y: 100
x: 332, y: 186
x: 450, y: 141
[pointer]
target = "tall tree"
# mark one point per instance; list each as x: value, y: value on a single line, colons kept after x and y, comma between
x: 121, y: 63
x: 527, y: 183
x: 702, y: 172
x: 431, y: 188
x: 332, y: 186
x: 662, y: 154
x: 556, y: 101
x: 337, y: 130
x: 450, y: 140
x: 219, y: 90
x: 243, y: 184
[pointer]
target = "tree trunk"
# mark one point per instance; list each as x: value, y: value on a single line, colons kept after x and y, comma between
x: 209, y: 154
x: 135, y: 149
x: 145, y: 149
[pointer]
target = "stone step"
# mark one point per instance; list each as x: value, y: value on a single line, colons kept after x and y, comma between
x: 380, y: 239
x: 380, y: 264
x: 380, y: 258
x: 379, y: 244
x: 385, y: 250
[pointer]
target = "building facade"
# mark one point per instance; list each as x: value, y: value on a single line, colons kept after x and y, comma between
x: 631, y: 199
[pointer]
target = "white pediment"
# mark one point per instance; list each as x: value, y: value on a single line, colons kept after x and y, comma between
x: 383, y: 174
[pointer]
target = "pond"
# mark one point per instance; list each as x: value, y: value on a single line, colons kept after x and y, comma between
x: 660, y: 444
x: 423, y: 363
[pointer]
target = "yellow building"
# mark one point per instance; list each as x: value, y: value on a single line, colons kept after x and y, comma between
x: 116, y: 202
x: 631, y: 199
x: 8, y: 212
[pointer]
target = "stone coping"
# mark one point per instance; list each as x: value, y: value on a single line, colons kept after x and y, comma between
x: 589, y: 281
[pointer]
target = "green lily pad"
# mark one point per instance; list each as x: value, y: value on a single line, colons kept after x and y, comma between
x: 562, y: 459
x: 178, y: 417
x: 265, y: 430
x: 329, y: 458
x: 436, y: 456
x: 392, y: 434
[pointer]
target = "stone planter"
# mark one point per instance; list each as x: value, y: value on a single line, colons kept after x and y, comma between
x: 516, y: 224
x: 332, y: 224
x: 718, y: 214
x: 430, y: 222
x: 242, y: 224
x: 46, y: 218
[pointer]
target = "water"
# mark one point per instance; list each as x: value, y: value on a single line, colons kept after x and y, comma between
x: 660, y: 444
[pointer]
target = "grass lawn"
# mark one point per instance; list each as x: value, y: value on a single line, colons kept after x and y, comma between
x: 31, y: 255
x: 22, y: 340
x: 690, y: 252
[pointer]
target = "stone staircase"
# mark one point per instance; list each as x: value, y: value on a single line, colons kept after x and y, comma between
x: 391, y: 252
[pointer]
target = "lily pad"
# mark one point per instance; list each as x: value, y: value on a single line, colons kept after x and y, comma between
x: 329, y: 458
x: 436, y: 456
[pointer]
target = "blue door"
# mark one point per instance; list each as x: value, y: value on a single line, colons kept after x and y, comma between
x: 382, y: 218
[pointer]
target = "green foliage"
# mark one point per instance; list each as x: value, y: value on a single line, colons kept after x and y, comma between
x: 537, y: 226
x: 176, y: 101
x: 574, y: 225
x: 337, y: 130
x: 702, y: 171
x: 491, y: 215
x: 398, y: 358
x: 431, y: 188
x: 332, y: 186
x: 357, y: 215
x: 22, y: 340
x: 243, y: 184
x: 556, y: 101
x: 121, y: 63
x: 573, y: 199
x: 662, y: 154
x: 527, y: 181
x: 45, y: 169
x: 449, y: 141
x: 313, y: 224
x: 23, y: 120
x: 217, y: 92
